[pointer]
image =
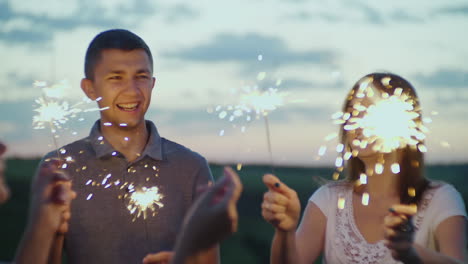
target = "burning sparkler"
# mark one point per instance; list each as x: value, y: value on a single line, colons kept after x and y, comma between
x: 380, y: 117
x: 253, y: 103
x: 389, y: 123
x: 52, y: 111
x: 145, y: 200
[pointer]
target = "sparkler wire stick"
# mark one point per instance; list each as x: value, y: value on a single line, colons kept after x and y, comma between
x: 267, y: 130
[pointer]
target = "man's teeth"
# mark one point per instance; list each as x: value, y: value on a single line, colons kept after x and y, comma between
x: 128, y: 106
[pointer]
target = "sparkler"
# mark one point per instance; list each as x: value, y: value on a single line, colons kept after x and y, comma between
x: 145, y: 201
x: 53, y: 111
x: 253, y: 103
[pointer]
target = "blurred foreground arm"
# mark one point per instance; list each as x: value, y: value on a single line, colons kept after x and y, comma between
x: 49, y: 215
x: 212, y: 218
x: 4, y: 190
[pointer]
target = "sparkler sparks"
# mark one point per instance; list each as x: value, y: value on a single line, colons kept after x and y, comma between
x: 53, y: 113
x: 144, y: 201
x: 397, y: 130
x: 252, y: 103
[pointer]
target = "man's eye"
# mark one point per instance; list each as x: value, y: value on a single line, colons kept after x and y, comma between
x: 116, y: 77
x: 142, y: 77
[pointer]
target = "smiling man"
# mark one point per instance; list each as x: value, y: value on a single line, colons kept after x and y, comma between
x: 123, y: 155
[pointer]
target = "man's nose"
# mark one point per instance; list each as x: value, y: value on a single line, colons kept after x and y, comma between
x: 132, y: 87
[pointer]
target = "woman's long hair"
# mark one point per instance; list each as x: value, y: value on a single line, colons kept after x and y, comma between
x: 411, y: 176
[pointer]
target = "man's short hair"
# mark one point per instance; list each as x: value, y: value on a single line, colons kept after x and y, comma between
x: 112, y: 39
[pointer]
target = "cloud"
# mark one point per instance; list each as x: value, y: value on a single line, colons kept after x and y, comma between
x: 245, y: 49
x: 320, y: 16
x: 297, y: 84
x: 38, y: 27
x: 444, y: 78
x: 453, y: 10
x: 180, y: 12
x: 402, y: 15
x: 371, y: 14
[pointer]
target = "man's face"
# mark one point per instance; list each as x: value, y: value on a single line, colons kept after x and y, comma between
x: 124, y: 80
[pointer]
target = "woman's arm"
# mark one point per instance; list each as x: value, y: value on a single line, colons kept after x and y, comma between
x: 451, y: 237
x: 281, y: 208
x: 310, y: 236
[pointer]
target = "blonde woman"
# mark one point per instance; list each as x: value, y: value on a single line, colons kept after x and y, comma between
x: 409, y: 219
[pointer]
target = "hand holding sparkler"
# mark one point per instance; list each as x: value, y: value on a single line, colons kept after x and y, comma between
x: 280, y: 206
x: 399, y: 233
x: 49, y: 213
x: 211, y: 218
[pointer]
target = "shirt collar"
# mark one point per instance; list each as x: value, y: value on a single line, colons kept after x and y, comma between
x: 102, y: 148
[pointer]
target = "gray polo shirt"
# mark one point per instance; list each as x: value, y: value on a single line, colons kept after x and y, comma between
x: 102, y: 229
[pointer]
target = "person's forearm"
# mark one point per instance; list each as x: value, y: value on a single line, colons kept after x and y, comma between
x: 283, y: 248
x: 428, y: 256
x: 35, y: 244
x: 55, y: 256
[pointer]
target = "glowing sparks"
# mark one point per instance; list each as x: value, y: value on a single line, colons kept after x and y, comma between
x: 239, y: 166
x: 365, y: 199
x: 52, y: 112
x: 395, y: 168
x: 341, y: 203
x: 322, y: 150
x: 379, y: 168
x: 388, y: 122
x: 336, y: 176
x: 145, y: 200
x: 397, y: 130
x: 339, y: 162
x: 363, y: 178
x: 252, y: 101
x: 339, y: 148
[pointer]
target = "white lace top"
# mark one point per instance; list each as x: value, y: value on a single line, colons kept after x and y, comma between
x: 344, y: 244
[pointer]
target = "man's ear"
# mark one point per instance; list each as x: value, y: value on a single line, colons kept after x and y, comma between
x: 154, y: 82
x: 88, y: 88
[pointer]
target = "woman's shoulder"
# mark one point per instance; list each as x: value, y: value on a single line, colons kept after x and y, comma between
x: 440, y: 201
x: 336, y: 185
x: 332, y: 187
x: 441, y: 188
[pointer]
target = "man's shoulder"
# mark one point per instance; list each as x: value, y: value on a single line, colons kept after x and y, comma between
x: 174, y: 150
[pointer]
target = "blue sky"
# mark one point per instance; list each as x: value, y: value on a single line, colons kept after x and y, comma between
x: 204, y: 49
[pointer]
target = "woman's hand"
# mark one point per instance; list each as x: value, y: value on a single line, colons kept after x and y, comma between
x: 399, y: 233
x: 280, y: 206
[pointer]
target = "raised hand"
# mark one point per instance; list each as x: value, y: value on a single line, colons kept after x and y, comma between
x: 399, y: 233
x: 280, y: 206
x: 49, y: 214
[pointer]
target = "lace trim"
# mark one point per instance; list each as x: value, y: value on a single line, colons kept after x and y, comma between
x: 350, y: 241
x: 425, y: 201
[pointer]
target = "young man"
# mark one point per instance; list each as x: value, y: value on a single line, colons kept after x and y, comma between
x: 124, y: 155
